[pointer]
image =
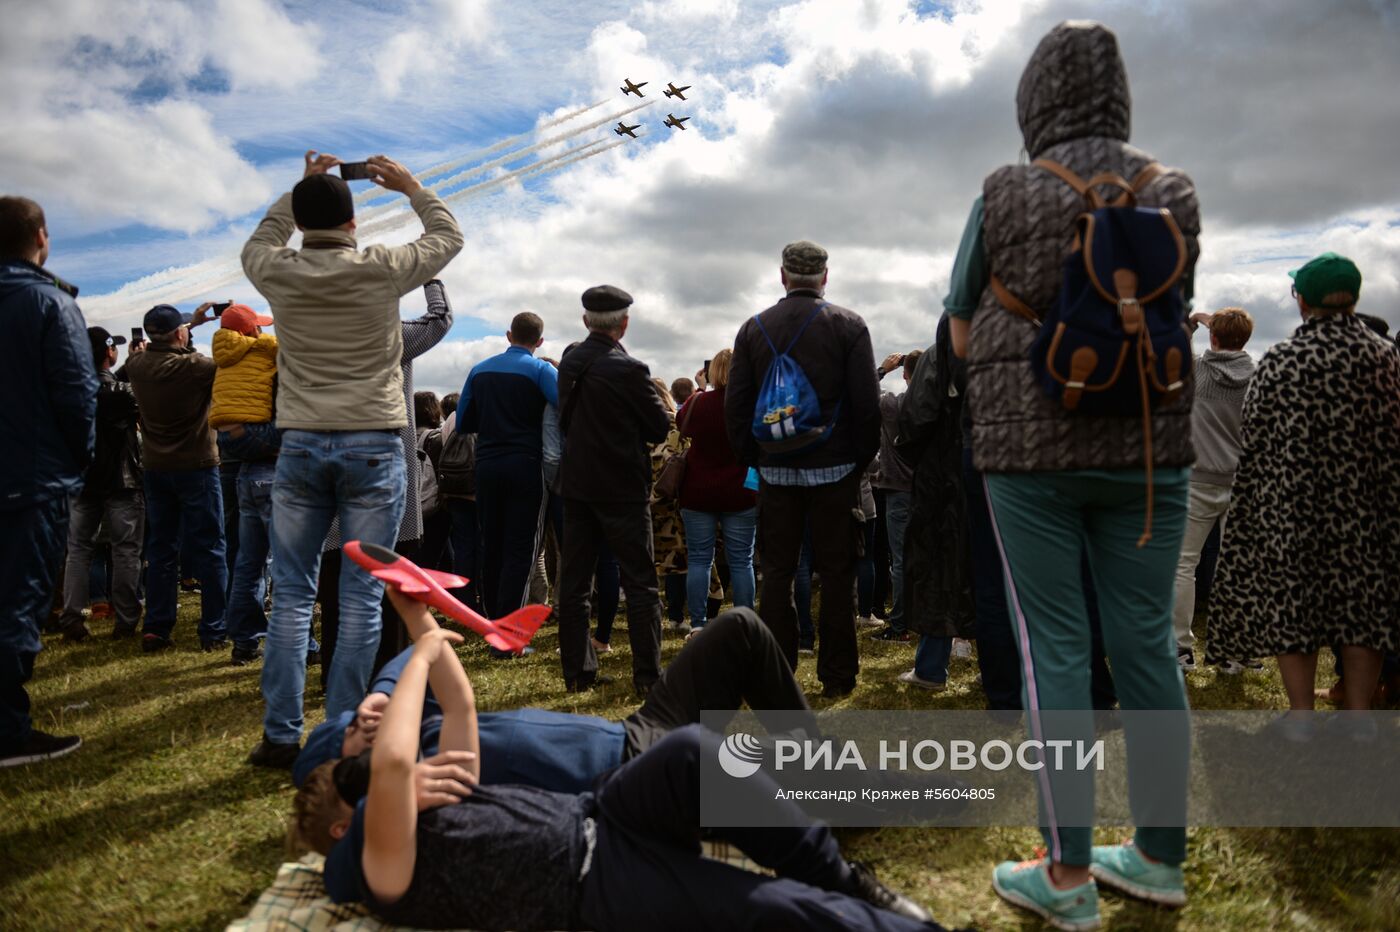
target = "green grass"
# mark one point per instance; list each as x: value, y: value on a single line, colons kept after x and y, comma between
x: 157, y: 823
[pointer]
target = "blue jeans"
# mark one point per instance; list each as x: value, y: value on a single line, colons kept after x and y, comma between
x: 896, y: 523
x: 31, y: 548
x: 931, y: 658
x: 257, y: 442
x: 738, y: 528
x: 185, y: 504
x: 246, y: 619
x: 358, y: 475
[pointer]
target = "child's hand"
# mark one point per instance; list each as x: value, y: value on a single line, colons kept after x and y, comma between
x: 431, y: 644
x: 443, y: 779
x: 415, y: 614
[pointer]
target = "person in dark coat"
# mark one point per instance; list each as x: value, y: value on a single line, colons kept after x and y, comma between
x: 47, y: 429
x: 938, y: 595
x: 610, y: 416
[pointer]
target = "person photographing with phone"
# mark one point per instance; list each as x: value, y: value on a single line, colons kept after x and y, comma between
x: 174, y: 384
x: 340, y: 406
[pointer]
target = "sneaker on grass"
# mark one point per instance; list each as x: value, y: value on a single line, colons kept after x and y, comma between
x: 913, y: 679
x: 1123, y: 868
x: 962, y: 649
x: 1027, y: 884
x: 1186, y: 659
x: 41, y: 746
x: 868, y: 621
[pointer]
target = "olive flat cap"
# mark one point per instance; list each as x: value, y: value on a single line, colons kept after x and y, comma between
x: 804, y: 258
x: 603, y: 298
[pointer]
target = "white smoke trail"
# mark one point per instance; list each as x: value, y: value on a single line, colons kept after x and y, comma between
x: 378, y: 193
x: 577, y: 156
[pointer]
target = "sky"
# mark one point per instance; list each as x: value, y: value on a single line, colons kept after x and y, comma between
x: 156, y: 135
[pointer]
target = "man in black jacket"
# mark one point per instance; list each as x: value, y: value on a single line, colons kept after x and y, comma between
x: 818, y: 484
x: 610, y: 416
x: 111, y: 492
x: 46, y: 431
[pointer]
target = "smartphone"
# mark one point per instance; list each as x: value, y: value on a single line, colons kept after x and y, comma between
x: 137, y: 335
x: 355, y: 171
x: 221, y: 307
x: 706, y: 368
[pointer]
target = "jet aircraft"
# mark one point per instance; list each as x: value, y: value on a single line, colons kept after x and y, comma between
x: 629, y: 88
x: 673, y: 91
x: 675, y: 121
x: 624, y: 130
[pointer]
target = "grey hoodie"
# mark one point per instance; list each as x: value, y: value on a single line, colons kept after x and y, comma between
x: 1221, y: 379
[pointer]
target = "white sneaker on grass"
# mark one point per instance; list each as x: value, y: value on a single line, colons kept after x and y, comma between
x: 868, y: 621
x: 962, y: 649
x: 913, y: 679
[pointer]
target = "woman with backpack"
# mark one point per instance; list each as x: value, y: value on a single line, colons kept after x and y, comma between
x: 434, y: 554
x: 1068, y: 473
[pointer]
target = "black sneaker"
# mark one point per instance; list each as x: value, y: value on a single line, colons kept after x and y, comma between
x: 120, y: 631
x: 805, y: 646
x: 1186, y: 659
x: 865, y: 886
x: 151, y: 643
x: 889, y: 634
x: 274, y: 754
x: 41, y: 746
x: 837, y: 690
x: 584, y: 684
x: 213, y: 644
x: 76, y: 631
x: 243, y: 656
x: 189, y: 585
x: 313, y: 658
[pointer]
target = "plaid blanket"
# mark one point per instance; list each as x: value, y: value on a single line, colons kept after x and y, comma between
x: 297, y: 900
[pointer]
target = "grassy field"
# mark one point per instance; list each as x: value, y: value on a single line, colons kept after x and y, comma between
x: 157, y: 822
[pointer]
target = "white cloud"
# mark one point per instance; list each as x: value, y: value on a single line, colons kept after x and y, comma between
x: 260, y: 46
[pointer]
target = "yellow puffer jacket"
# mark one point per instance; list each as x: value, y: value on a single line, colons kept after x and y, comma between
x: 243, y: 384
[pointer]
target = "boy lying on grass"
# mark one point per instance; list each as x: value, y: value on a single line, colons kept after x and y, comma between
x: 731, y: 661
x: 625, y: 856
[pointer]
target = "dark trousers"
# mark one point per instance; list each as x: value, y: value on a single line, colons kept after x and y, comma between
x: 436, y: 552
x: 674, y: 584
x: 229, y: 471
x: 626, y: 528
x: 510, y: 512
x: 32, y: 541
x: 607, y: 584
x: 647, y: 872
x: 998, y: 659
x: 124, y: 514
x: 465, y: 537
x: 195, y: 498
x: 881, y: 554
x: 732, y: 661
x: 783, y: 512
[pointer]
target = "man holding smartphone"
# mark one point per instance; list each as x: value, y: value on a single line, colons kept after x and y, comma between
x: 174, y: 384
x: 340, y: 401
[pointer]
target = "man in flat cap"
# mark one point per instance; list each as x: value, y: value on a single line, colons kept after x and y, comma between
x: 340, y: 404
x: 610, y: 416
x: 813, y: 481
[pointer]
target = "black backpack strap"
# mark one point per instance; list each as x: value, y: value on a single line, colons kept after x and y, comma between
x: 566, y: 415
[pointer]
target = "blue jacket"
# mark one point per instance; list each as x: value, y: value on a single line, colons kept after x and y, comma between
x: 503, y: 402
x: 46, y: 421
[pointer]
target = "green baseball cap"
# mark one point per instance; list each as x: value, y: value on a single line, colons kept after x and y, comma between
x: 1327, y: 276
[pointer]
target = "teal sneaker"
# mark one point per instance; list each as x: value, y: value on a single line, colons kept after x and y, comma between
x: 1124, y: 869
x: 1027, y: 884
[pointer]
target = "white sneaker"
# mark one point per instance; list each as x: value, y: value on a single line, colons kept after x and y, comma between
x: 868, y: 621
x: 913, y: 679
x: 962, y: 649
x: 1235, y: 667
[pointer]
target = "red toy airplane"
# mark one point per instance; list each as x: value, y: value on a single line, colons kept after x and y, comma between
x: 430, y: 587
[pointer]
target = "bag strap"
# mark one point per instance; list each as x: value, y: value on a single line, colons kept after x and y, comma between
x: 1089, y: 189
x: 1012, y: 303
x: 567, y: 414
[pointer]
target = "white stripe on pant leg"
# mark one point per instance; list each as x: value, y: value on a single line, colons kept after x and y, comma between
x: 1028, y: 672
x: 539, y: 542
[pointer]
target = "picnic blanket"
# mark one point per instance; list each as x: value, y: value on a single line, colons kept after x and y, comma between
x: 297, y: 900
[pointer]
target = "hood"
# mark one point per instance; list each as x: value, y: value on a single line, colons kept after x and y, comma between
x: 1074, y: 86
x: 229, y: 346
x: 1228, y: 368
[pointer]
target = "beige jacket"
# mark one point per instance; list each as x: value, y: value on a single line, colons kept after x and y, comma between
x: 336, y: 309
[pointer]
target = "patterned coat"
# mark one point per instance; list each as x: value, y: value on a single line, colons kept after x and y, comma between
x: 667, y: 531
x: 1074, y: 108
x: 1311, y: 551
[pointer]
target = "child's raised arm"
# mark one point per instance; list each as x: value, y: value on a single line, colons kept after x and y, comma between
x: 391, y: 809
x: 451, y: 686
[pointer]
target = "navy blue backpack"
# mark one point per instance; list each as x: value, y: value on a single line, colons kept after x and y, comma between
x: 787, y: 416
x: 1114, y: 343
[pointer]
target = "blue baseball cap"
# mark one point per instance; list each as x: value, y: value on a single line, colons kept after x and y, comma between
x: 163, y: 319
x: 323, y: 744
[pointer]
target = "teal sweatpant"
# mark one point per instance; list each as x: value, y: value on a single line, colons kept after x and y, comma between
x: 1043, y: 522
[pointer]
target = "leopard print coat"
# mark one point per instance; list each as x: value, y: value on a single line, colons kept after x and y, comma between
x: 1311, y: 549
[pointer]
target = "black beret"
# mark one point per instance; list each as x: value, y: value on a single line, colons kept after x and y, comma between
x: 603, y: 298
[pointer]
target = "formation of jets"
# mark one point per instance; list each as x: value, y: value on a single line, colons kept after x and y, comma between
x: 673, y: 121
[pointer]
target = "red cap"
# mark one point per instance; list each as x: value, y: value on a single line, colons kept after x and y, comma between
x: 242, y: 318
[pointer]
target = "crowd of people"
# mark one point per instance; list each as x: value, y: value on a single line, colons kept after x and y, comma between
x: 1073, y: 548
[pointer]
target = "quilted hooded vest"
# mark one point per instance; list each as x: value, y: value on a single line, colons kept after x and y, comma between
x: 1074, y: 108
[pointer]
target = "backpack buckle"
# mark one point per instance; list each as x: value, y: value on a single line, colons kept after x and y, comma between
x: 1130, y: 312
